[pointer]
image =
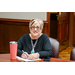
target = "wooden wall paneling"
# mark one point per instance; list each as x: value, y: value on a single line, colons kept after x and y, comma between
x: 74, y: 31
x: 11, y: 33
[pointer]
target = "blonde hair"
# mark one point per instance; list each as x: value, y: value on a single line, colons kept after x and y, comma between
x: 34, y: 21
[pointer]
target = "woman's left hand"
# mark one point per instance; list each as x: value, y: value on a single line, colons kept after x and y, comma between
x: 33, y: 56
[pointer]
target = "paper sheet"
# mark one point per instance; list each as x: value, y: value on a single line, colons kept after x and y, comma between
x: 19, y: 58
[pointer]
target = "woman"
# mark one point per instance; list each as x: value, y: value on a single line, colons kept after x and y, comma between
x: 35, y: 44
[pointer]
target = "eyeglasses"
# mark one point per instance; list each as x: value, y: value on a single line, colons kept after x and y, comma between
x: 33, y: 28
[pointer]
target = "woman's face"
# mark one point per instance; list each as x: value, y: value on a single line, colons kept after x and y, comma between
x: 35, y: 30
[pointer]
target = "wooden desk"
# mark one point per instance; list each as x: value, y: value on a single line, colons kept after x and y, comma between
x: 6, y: 58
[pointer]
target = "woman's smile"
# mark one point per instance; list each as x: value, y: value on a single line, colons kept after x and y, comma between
x: 35, y: 32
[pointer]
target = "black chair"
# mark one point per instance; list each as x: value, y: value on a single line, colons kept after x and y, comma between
x: 55, y: 47
x: 72, y: 55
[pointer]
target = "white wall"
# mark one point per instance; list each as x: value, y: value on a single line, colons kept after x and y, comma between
x: 24, y: 15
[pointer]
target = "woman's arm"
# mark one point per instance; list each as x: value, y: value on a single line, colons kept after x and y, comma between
x: 47, y: 49
x: 19, y: 48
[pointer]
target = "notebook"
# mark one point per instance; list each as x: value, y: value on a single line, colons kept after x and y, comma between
x: 21, y: 59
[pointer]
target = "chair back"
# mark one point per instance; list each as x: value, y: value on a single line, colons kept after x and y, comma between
x: 55, y: 47
x: 72, y: 55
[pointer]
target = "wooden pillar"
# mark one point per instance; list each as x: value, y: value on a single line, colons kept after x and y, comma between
x: 71, y: 23
x: 48, y: 20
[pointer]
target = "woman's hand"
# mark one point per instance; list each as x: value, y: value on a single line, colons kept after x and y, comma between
x: 25, y: 56
x: 33, y: 56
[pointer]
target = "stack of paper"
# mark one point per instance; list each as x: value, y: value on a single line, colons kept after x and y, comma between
x: 19, y: 58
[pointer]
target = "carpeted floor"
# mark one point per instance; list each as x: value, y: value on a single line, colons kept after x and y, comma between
x: 65, y: 54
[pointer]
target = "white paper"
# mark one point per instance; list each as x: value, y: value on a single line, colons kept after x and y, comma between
x: 19, y: 58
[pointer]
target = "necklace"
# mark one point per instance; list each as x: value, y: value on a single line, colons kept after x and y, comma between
x: 33, y: 46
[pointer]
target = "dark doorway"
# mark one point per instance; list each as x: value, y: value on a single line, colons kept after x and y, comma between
x: 53, y: 25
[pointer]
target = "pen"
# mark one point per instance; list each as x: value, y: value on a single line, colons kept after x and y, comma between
x: 24, y: 53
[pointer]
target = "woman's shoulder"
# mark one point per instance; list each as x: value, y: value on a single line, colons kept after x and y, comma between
x: 45, y: 35
x: 25, y: 36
